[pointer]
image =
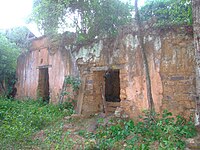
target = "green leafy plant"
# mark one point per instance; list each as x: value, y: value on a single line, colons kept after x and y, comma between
x: 73, y: 81
x: 92, y: 19
x: 9, y: 52
x: 19, y: 36
x: 168, y: 12
x: 20, y: 119
x: 157, y: 132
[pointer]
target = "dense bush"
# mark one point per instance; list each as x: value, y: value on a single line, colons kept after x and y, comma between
x: 9, y: 52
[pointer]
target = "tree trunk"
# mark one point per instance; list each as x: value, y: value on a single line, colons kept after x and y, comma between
x: 2, y: 86
x: 196, y: 26
x: 144, y: 57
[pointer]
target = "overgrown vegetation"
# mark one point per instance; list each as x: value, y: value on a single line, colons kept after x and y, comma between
x: 73, y: 83
x: 20, y: 119
x: 90, y: 18
x: 164, y: 132
x: 9, y: 52
x: 20, y: 36
x: 94, y: 19
x: 168, y: 12
x: 12, y: 43
x: 34, y: 124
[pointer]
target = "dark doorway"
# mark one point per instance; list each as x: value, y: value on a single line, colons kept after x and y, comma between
x: 43, y: 84
x: 112, y: 86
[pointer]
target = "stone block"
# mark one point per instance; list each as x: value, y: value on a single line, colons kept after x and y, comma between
x: 123, y: 71
x: 169, y: 83
x: 186, y: 82
x: 123, y: 96
x: 89, y: 81
x: 177, y: 78
x: 168, y: 89
x: 168, y: 98
x: 184, y: 89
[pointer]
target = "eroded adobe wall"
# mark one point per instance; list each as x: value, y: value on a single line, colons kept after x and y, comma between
x: 196, y: 25
x: 171, y: 60
x: 43, y: 53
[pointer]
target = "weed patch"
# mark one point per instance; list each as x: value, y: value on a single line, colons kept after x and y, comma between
x: 20, y: 119
x: 155, y: 132
x: 35, y: 125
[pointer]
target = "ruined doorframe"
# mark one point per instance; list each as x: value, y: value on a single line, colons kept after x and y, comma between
x: 113, y: 68
x: 103, y: 71
x: 43, y: 83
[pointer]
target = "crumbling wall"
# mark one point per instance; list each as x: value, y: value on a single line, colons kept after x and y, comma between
x: 44, y: 53
x: 171, y: 61
x: 196, y: 25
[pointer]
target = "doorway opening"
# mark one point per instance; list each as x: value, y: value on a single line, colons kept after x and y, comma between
x: 43, y: 84
x: 106, y: 91
x: 112, y: 86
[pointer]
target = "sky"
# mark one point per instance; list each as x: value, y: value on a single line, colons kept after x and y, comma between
x: 14, y: 13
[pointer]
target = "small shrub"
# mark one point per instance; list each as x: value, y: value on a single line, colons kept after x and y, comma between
x: 73, y: 81
x: 67, y: 107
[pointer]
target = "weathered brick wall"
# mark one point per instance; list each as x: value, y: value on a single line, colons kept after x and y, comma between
x: 178, y: 75
x: 196, y: 26
x: 43, y: 53
x: 171, y: 60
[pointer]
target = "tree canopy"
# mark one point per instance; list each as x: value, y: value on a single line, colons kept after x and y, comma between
x: 168, y: 12
x: 97, y: 18
x: 9, y: 52
x: 19, y: 36
x: 90, y: 18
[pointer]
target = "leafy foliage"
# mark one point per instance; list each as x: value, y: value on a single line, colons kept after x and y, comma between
x: 91, y: 18
x: 12, y: 41
x: 156, y: 132
x: 9, y: 52
x: 73, y: 81
x: 46, y: 14
x: 20, y: 119
x: 19, y: 36
x: 168, y: 12
x: 94, y: 19
x: 55, y: 138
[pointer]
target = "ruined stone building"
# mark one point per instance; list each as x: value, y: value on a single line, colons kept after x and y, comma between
x: 115, y: 65
x: 171, y: 59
